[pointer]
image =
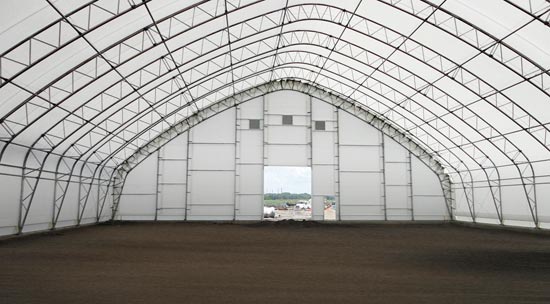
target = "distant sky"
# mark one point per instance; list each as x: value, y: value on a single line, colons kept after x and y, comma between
x: 290, y: 179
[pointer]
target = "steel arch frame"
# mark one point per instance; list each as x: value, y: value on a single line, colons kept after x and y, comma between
x: 498, y: 212
x: 497, y: 209
x: 283, y: 25
x: 503, y: 135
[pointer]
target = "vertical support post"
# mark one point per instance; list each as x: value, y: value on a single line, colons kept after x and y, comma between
x: 20, y: 213
x: 310, y: 160
x: 410, y: 182
x: 383, y: 166
x: 337, y: 155
x: 187, y: 164
x: 236, y: 167
x: 98, y: 195
x: 264, y: 151
x: 159, y: 158
x: 79, y: 193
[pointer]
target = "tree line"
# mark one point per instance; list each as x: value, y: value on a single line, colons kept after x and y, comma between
x: 287, y: 196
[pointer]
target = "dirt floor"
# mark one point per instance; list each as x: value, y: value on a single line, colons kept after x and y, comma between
x: 276, y: 262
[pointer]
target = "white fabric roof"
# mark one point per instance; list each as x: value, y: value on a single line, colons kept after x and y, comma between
x: 97, y: 80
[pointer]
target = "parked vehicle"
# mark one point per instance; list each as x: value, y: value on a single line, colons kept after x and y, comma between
x: 269, y: 212
x: 303, y: 206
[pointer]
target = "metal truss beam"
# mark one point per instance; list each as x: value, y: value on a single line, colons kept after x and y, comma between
x: 77, y: 119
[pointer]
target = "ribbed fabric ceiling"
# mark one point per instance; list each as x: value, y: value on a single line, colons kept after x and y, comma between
x: 94, y: 81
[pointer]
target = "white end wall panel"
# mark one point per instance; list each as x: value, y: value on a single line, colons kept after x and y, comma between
x: 324, y: 151
x: 172, y: 180
x: 356, y: 132
x: 139, y: 193
x: 219, y: 174
x: 428, y: 200
x: 212, y: 163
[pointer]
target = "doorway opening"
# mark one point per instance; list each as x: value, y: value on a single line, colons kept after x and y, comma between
x: 287, y: 193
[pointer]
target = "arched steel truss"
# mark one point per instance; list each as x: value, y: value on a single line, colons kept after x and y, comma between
x: 184, y: 78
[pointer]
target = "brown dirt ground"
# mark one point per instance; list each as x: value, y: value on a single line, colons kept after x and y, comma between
x: 275, y: 263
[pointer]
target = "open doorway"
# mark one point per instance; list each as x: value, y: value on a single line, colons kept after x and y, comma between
x: 287, y: 193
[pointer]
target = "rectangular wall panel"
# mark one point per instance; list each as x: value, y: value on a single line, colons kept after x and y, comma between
x: 172, y: 180
x: 428, y: 200
x: 360, y: 174
x: 212, y: 165
x: 324, y: 153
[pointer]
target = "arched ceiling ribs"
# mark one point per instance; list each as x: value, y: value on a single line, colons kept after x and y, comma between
x: 465, y: 171
x: 170, y: 54
x: 349, y: 18
x: 254, y: 92
x: 58, y: 35
x: 97, y: 63
x: 401, y: 40
x: 277, y: 45
x: 474, y: 36
x: 541, y: 14
x: 337, y: 9
x: 516, y: 114
x: 457, y: 159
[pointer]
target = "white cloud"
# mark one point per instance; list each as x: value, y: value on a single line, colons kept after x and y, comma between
x: 287, y: 179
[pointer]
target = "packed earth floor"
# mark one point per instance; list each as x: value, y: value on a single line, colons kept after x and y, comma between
x: 276, y: 262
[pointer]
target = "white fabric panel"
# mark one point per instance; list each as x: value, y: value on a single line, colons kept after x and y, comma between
x: 398, y: 203
x: 397, y: 181
x: 287, y: 103
x: 172, y: 179
x: 321, y: 110
x: 203, y: 201
x: 90, y: 211
x: 41, y: 212
x: 70, y: 204
x: 323, y: 180
x: 323, y: 147
x: 212, y: 156
x: 250, y: 207
x: 287, y: 135
x: 251, y: 142
x: 485, y: 206
x: 360, y: 158
x: 317, y: 208
x: 287, y: 155
x: 355, y: 132
x: 210, y: 131
x: 142, y: 180
x: 514, y: 204
x: 139, y: 192
x: 251, y: 177
x: 141, y: 205
x: 9, y: 204
x: 359, y: 188
x: 252, y: 109
x: 428, y: 199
